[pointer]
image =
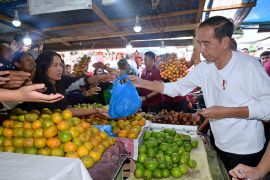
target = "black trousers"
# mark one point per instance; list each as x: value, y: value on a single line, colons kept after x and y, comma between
x: 231, y: 160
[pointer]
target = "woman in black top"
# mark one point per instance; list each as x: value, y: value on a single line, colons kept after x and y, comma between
x: 49, y: 70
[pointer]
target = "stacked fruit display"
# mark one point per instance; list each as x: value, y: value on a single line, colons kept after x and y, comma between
x: 180, y: 118
x: 90, y: 106
x: 129, y: 127
x: 164, y: 154
x: 80, y: 68
x: 53, y: 134
x: 172, y: 68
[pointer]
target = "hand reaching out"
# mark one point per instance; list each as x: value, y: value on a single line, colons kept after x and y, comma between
x: 92, y: 91
x: 3, y: 78
x: 31, y: 93
x: 16, y: 79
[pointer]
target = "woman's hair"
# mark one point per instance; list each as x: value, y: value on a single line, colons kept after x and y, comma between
x: 43, y: 63
x: 95, y: 71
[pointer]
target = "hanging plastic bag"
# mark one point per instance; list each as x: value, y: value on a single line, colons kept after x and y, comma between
x: 125, y: 99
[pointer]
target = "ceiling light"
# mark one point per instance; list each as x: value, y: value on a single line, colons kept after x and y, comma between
x: 137, y: 28
x: 27, y: 40
x: 16, y: 21
x: 129, y: 47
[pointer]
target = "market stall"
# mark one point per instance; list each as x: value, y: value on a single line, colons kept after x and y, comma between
x: 79, y: 138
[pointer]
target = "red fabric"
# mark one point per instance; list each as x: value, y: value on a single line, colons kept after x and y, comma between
x: 173, y: 99
x: 267, y: 67
x: 152, y: 74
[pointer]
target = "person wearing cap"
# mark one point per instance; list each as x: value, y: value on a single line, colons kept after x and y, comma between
x: 126, y: 68
x: 24, y: 61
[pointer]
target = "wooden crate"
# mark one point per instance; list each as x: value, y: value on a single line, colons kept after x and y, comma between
x: 128, y: 168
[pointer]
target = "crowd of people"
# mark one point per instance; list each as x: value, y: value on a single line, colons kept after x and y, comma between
x: 235, y: 87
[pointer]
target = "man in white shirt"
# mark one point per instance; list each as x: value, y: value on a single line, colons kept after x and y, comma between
x: 236, y: 90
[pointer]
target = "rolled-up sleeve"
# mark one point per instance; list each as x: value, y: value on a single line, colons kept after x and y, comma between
x: 185, y: 85
x: 259, y: 87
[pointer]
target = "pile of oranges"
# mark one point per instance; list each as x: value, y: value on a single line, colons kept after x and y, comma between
x: 53, y: 134
x: 129, y: 127
x: 173, y: 68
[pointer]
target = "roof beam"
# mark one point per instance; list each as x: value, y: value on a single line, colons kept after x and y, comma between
x: 235, y: 6
x: 28, y: 28
x: 122, y: 33
x: 104, y: 18
x: 200, y: 10
x: 122, y: 20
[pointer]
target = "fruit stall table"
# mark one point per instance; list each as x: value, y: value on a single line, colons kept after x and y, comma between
x: 31, y: 167
x: 209, y: 165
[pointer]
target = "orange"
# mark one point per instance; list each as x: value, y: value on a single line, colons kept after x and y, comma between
x: 9, y: 149
x: 57, y: 117
x: 76, y: 121
x: 95, y: 130
x: 106, y: 143
x: 70, y: 122
x: 36, y: 124
x: 74, y: 132
x: 104, y: 135
x: 134, y: 123
x: 80, y: 128
x: 96, y: 155
x: 136, y: 129
x: 88, y: 161
x: 47, y: 123
x: 99, y: 138
x: 85, y: 125
x: 28, y: 142
x: 27, y: 125
x: 63, y: 125
x: 72, y: 155
x: 70, y: 147
x: 17, y: 142
x: 18, y: 132
x: 84, y: 137
x: 132, y: 135
x: 7, y: 132
x: 18, y: 124
x: 102, y: 147
x: 58, y: 152
x: 67, y: 114
x: 19, y: 150
x: 8, y: 124
x: 122, y: 133
x: 77, y: 141
x: 82, y: 151
x: 94, y: 141
x: 38, y: 133
x: 65, y: 136
x: 7, y: 142
x: 53, y: 143
x: 44, y: 151
x: 31, y: 150
x: 116, y: 129
x: 121, y: 124
x: 89, y: 145
x: 50, y: 132
x: 142, y: 122
x: 40, y: 142
x: 28, y: 133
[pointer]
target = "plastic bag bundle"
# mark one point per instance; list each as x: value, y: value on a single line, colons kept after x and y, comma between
x: 125, y: 99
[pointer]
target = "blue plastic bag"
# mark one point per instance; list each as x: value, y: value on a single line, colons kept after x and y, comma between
x: 125, y: 99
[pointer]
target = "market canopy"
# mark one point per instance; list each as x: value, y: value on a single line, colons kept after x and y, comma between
x: 109, y: 23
